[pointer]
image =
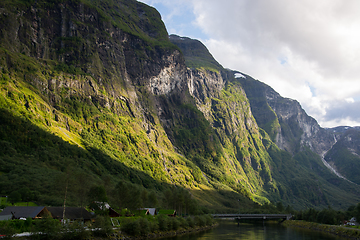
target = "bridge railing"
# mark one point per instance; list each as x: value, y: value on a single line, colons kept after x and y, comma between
x: 253, y: 216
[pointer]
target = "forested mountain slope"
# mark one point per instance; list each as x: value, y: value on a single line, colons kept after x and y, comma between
x: 95, y: 97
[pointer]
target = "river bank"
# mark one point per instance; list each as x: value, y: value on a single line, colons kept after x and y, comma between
x: 345, y: 232
x: 118, y: 235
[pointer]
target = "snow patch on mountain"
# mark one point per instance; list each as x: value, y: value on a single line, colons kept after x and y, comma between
x: 239, y: 75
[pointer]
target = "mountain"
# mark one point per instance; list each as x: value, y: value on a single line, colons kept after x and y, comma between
x: 344, y: 156
x: 285, y: 121
x: 293, y: 130
x: 95, y: 97
x: 294, y: 141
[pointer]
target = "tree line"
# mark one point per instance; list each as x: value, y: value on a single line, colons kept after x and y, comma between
x: 328, y: 215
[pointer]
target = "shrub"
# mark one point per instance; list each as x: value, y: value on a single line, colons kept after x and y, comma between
x: 209, y: 220
x: 7, y: 230
x: 154, y: 226
x: 103, y: 226
x: 46, y: 228
x: 131, y: 227
x: 200, y: 221
x: 144, y: 226
x: 190, y: 221
x: 163, y: 222
x: 173, y: 223
x: 75, y: 231
x: 183, y: 223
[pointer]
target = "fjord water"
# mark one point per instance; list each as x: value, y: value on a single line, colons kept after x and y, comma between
x: 230, y: 230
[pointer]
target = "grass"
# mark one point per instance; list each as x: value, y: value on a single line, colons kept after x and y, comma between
x: 4, y: 202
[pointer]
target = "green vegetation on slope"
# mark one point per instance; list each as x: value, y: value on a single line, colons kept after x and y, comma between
x: 76, y: 108
x: 196, y: 54
x: 305, y: 182
x: 265, y: 116
x: 344, y: 155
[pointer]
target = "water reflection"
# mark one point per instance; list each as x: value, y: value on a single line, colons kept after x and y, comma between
x: 229, y: 230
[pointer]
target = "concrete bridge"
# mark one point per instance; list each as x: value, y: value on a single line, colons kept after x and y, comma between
x: 254, y: 216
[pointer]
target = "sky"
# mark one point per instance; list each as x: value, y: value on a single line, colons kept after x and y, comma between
x: 304, y: 49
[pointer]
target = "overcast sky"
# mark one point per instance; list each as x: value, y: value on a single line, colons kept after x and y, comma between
x: 306, y: 50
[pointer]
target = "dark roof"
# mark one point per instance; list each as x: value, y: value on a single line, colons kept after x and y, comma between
x: 113, y: 213
x: 23, y: 212
x: 72, y: 213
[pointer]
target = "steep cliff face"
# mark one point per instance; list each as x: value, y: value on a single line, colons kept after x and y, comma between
x: 344, y: 156
x: 285, y: 120
x: 221, y: 99
x: 226, y: 108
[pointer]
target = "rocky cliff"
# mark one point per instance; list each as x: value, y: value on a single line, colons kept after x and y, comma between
x: 344, y: 156
x: 285, y: 120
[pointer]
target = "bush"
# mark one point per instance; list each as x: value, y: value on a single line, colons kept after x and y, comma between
x: 144, y: 226
x: 209, y: 220
x: 173, y: 223
x: 183, y: 223
x: 163, y: 222
x: 74, y: 231
x: 131, y: 227
x: 154, y: 226
x: 46, y: 228
x: 200, y: 221
x: 18, y: 226
x: 103, y: 226
x: 190, y: 221
x: 7, y: 230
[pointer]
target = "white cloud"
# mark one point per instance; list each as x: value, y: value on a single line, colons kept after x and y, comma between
x: 349, y: 100
x: 306, y: 50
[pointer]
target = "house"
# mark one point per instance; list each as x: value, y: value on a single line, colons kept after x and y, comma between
x: 105, y: 205
x: 352, y: 222
x: 71, y: 213
x: 113, y: 213
x: 149, y: 211
x: 24, y: 212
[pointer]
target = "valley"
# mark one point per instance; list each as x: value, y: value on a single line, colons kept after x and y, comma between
x: 97, y: 94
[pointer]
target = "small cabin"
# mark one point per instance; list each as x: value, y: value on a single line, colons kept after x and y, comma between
x: 104, y: 205
x: 149, y: 211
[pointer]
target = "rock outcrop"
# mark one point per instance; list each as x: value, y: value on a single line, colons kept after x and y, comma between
x: 291, y: 128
